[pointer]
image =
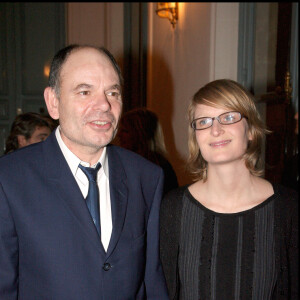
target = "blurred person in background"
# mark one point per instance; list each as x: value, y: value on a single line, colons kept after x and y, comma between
x: 140, y: 131
x: 27, y: 128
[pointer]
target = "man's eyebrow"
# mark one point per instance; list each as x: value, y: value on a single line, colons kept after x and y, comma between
x: 82, y: 86
x: 115, y: 87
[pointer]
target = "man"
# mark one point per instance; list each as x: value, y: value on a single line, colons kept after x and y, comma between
x: 27, y: 128
x: 50, y: 248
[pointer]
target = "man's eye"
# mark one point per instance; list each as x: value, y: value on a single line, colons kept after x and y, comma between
x: 113, y: 94
x: 84, y: 93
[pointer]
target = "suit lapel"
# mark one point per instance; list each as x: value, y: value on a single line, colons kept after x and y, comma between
x: 118, y: 196
x: 66, y: 188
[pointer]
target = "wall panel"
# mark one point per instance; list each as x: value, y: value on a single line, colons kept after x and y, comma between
x: 30, y: 34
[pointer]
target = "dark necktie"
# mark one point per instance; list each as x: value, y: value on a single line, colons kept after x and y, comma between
x: 92, y: 198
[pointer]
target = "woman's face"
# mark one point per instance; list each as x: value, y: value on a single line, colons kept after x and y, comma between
x: 221, y: 144
x: 126, y: 136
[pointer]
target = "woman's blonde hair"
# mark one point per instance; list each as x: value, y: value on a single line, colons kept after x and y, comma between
x: 227, y: 94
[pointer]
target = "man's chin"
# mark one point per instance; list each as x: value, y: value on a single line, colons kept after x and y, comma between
x: 101, y: 143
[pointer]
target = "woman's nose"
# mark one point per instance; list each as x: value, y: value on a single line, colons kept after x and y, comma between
x: 216, y: 129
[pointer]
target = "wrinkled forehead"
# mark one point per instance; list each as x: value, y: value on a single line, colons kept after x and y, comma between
x: 86, y: 57
x: 88, y: 63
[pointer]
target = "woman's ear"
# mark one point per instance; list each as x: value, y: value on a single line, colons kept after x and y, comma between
x: 250, y: 134
x: 52, y: 102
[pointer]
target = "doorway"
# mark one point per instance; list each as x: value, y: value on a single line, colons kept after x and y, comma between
x: 268, y: 67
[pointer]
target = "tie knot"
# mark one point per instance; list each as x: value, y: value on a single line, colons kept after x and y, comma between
x: 91, y: 173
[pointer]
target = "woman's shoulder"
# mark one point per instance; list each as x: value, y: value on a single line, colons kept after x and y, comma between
x: 172, y: 201
x: 283, y: 190
x: 176, y: 193
x: 286, y: 197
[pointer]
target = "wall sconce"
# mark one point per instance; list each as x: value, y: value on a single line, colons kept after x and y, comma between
x: 46, y: 70
x: 168, y: 10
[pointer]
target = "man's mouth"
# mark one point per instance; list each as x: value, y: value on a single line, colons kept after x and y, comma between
x: 102, y: 123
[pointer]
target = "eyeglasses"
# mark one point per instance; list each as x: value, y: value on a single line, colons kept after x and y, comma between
x: 227, y: 118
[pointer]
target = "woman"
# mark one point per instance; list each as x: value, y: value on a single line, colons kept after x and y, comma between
x: 140, y: 131
x: 231, y: 234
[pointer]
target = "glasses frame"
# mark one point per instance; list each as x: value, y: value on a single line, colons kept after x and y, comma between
x: 217, y: 118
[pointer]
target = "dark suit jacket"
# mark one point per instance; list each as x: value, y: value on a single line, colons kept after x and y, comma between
x: 49, y: 247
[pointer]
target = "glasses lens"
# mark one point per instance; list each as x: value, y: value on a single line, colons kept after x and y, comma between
x: 202, y: 123
x: 230, y: 117
x: 225, y: 119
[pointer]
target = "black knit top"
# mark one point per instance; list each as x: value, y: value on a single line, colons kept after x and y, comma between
x: 247, y: 255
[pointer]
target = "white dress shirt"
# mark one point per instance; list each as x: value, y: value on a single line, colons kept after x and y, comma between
x: 83, y: 183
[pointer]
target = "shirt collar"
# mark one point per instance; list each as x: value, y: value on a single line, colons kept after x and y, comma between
x: 73, y: 161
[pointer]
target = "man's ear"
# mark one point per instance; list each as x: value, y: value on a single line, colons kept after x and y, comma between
x: 22, y: 142
x: 52, y: 102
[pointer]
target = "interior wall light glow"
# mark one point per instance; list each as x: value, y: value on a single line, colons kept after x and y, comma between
x: 168, y: 10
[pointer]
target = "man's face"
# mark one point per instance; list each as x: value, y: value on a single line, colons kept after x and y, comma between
x: 90, y: 102
x: 39, y: 135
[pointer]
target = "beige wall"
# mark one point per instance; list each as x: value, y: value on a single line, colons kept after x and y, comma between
x: 98, y: 24
x: 201, y: 48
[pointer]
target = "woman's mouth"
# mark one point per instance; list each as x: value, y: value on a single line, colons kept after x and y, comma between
x: 220, y: 143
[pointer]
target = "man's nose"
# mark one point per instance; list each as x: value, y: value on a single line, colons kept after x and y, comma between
x: 101, y: 102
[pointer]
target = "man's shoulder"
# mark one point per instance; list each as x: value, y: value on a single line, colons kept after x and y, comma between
x: 27, y: 152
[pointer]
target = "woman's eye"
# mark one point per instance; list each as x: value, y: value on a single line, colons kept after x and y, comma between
x: 229, y: 118
x: 203, y: 121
